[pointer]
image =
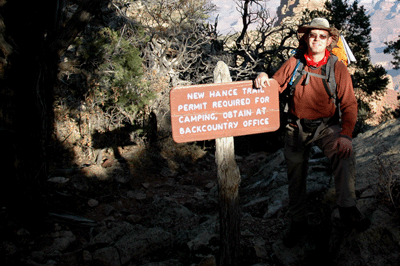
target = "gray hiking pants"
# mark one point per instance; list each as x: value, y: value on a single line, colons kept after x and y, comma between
x: 297, y: 153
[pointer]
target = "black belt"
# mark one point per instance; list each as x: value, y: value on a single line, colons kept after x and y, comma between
x: 309, y: 127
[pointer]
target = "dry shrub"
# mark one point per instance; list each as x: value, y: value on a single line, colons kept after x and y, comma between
x: 167, y: 156
x: 389, y: 183
x: 181, y: 152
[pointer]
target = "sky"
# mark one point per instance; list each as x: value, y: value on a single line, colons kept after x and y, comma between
x: 229, y: 18
x: 384, y: 28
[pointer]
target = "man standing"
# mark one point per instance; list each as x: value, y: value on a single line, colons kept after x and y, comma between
x: 317, y: 117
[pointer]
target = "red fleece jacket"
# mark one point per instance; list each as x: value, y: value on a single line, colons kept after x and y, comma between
x: 311, y: 101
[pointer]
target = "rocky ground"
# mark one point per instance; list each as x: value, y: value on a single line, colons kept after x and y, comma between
x: 164, y: 213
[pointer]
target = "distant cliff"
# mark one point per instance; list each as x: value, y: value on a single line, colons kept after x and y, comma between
x: 385, y: 24
x: 295, y: 8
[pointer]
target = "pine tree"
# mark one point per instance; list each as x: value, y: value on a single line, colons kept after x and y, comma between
x: 354, y: 25
x: 393, y: 48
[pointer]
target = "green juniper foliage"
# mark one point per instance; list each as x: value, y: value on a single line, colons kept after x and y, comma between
x: 121, y: 72
x: 354, y: 24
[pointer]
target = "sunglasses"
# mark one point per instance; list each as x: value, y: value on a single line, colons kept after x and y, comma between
x: 314, y: 36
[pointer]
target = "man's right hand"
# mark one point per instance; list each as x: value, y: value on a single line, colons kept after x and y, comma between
x: 261, y: 81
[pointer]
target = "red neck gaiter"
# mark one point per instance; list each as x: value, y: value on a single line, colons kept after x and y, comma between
x: 310, y: 61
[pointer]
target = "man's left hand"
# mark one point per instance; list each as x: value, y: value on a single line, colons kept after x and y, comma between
x: 344, y: 146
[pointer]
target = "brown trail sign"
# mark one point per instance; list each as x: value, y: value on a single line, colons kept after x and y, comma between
x: 204, y: 112
x: 220, y: 111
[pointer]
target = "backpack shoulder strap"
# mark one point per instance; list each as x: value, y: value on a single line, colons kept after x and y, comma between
x: 328, y: 70
x: 296, y: 72
x: 296, y: 76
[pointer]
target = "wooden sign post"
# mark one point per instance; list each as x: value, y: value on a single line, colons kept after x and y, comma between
x: 220, y: 111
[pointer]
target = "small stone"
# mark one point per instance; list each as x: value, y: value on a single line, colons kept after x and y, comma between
x: 86, y: 256
x: 210, y: 185
x: 108, y: 209
x: 51, y: 263
x: 208, y: 261
x: 38, y: 256
x: 134, y: 219
x: 93, y: 203
x: 23, y: 232
x: 9, y: 248
x: 137, y: 194
x: 58, y: 180
x: 108, y: 163
x: 62, y: 240
x: 166, y: 172
x: 246, y: 233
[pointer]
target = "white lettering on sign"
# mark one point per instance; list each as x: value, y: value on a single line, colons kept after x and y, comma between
x: 261, y: 111
x: 251, y: 91
x: 256, y: 122
x: 262, y: 99
x: 230, y: 103
x: 197, y: 118
x: 230, y: 92
x: 195, y: 95
x: 236, y: 113
x: 208, y: 128
x: 192, y: 106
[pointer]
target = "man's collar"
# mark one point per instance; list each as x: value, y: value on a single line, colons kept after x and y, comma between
x: 323, y: 61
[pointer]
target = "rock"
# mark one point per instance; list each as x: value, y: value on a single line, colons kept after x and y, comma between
x: 8, y: 248
x: 108, y: 163
x: 23, y: 232
x: 200, y: 241
x: 38, y: 256
x: 208, y: 261
x: 169, y: 210
x: 246, y: 233
x: 210, y: 185
x: 93, y: 203
x: 123, y: 178
x: 58, y: 180
x: 81, y: 185
x: 297, y: 255
x: 51, y: 263
x: 374, y: 247
x: 272, y: 163
x: 108, y: 209
x: 108, y: 256
x: 142, y: 241
x: 257, y: 207
x: 134, y: 219
x: 62, y: 240
x: 137, y: 194
x: 95, y: 171
x: 199, y: 195
x: 273, y: 208
x: 167, y: 172
x: 87, y: 257
x: 259, y: 247
x: 171, y: 262
x: 113, y: 234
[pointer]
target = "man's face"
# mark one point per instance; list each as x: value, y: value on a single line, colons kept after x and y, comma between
x: 317, y: 41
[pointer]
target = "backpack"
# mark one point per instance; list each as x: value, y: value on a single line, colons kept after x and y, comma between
x: 329, y: 81
x: 327, y: 75
x: 341, y: 52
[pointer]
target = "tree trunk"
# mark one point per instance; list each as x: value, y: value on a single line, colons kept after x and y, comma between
x: 26, y: 110
x: 228, y: 183
x: 33, y: 31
